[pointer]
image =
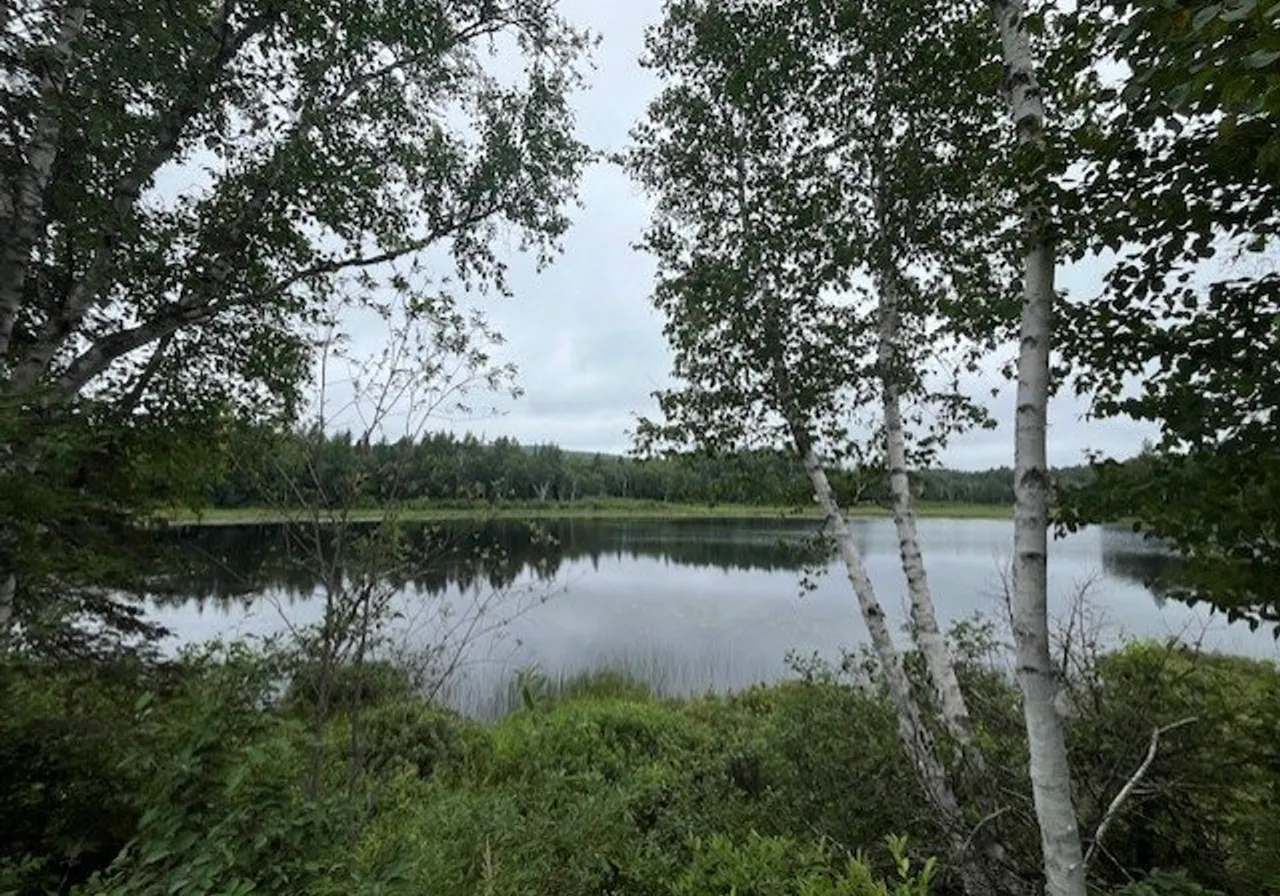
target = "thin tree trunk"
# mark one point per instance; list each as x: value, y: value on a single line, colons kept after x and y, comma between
x: 25, y: 212
x: 924, y: 616
x: 8, y: 592
x: 914, y: 734
x: 911, y: 728
x: 1050, y: 771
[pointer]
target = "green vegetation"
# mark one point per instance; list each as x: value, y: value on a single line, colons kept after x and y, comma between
x: 1181, y: 184
x: 202, y: 203
x: 130, y: 778
x: 440, y: 472
x: 597, y: 508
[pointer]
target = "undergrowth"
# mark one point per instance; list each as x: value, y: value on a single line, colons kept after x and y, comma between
x: 193, y: 778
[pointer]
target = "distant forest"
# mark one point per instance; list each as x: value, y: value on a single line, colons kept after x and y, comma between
x: 445, y: 468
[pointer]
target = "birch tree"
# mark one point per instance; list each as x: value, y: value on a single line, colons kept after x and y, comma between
x: 817, y: 209
x: 185, y: 185
x: 1038, y: 678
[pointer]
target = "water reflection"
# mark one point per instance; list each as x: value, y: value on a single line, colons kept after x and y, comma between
x: 224, y: 564
x: 688, y: 605
x: 1134, y: 557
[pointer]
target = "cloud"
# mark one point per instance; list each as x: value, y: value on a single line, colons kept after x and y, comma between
x: 589, y: 345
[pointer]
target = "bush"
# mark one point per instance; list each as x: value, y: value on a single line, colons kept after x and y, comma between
x: 200, y: 784
x: 831, y: 764
x: 1163, y: 883
x: 1207, y: 803
x: 351, y: 686
x: 607, y: 737
x: 777, y: 866
x: 219, y: 799
x: 428, y: 739
x: 66, y: 803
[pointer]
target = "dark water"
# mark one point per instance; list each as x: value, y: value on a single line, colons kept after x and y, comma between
x: 688, y: 605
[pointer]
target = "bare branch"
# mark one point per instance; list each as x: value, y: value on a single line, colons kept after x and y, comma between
x: 1127, y: 790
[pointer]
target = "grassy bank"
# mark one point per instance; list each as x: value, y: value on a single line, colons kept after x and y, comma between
x: 195, y: 781
x: 588, y: 509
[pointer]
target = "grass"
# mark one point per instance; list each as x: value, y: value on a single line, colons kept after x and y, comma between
x: 611, y: 508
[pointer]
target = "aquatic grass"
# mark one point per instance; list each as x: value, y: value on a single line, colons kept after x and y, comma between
x: 636, y: 674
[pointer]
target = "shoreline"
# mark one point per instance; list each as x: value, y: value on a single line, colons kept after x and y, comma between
x: 599, y: 510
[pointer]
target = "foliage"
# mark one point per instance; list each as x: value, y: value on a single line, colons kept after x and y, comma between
x: 775, y: 866
x: 1164, y: 883
x: 798, y: 150
x: 192, y: 191
x: 1179, y: 162
x: 351, y: 686
x: 316, y: 129
x: 1205, y: 803
x: 1214, y: 507
x: 189, y: 774
x: 66, y: 803
x: 442, y: 469
x: 424, y: 739
x: 76, y: 541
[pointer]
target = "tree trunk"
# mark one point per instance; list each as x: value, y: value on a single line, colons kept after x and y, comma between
x: 977, y: 878
x: 24, y: 209
x: 924, y: 616
x: 911, y: 728
x: 8, y: 592
x: 1050, y: 772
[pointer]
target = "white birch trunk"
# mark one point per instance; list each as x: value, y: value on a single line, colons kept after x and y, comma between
x: 911, y: 728
x: 1050, y: 771
x: 924, y: 616
x: 8, y: 590
x: 25, y: 209
x: 978, y: 879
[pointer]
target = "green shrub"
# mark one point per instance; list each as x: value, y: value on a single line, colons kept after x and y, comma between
x: 67, y: 807
x: 201, y: 785
x: 777, y: 866
x: 220, y: 795
x: 830, y: 764
x: 1164, y: 883
x: 563, y: 836
x: 428, y: 739
x: 351, y: 686
x: 1207, y: 803
x: 607, y: 737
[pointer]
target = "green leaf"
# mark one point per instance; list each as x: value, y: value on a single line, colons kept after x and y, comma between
x: 1238, y: 10
x: 1206, y: 15
x: 1261, y: 58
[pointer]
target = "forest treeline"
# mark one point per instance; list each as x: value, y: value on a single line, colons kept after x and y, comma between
x: 342, y: 470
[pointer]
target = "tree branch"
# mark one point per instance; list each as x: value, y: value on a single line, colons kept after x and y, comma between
x: 25, y: 208
x: 98, y: 356
x: 1127, y: 790
x: 128, y: 189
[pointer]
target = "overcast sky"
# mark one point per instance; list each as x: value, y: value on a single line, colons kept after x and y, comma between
x: 589, y: 345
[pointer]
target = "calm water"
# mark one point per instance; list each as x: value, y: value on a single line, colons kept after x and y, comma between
x: 689, y: 605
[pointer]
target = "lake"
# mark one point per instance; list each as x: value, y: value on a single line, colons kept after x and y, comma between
x: 688, y: 605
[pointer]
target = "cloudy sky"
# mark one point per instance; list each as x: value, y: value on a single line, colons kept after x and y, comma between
x: 587, y: 342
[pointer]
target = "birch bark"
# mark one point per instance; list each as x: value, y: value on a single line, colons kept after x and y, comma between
x: 911, y: 728
x: 924, y: 616
x: 1064, y: 866
x: 25, y: 209
x: 970, y: 858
